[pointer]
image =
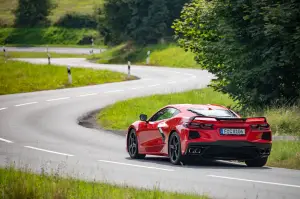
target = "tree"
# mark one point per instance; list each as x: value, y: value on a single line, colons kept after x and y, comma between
x: 30, y: 13
x: 252, y: 47
x: 143, y: 21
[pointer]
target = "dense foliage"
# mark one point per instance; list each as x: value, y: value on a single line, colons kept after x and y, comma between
x: 253, y: 47
x: 76, y: 20
x: 143, y: 21
x: 30, y: 13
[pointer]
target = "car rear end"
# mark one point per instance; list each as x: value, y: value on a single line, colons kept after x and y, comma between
x: 228, y: 138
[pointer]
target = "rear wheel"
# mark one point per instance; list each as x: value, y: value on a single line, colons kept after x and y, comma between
x: 175, y: 149
x: 258, y: 162
x: 133, y: 148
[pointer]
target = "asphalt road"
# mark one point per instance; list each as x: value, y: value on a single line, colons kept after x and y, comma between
x: 41, y: 130
x: 65, y: 50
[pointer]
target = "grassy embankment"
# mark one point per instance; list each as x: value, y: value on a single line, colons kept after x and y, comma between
x: 43, y: 36
x: 284, y: 121
x: 169, y: 55
x: 63, y: 7
x: 24, y: 184
x: 16, y: 77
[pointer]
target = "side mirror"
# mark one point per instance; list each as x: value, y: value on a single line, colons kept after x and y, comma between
x: 143, y: 117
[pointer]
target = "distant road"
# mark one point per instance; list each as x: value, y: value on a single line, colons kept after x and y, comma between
x: 67, y: 50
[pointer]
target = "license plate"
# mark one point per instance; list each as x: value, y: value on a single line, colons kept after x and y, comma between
x: 232, y: 131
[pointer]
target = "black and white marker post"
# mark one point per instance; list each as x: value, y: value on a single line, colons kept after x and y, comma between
x: 129, y: 66
x: 92, y: 51
x: 49, y: 56
x: 69, y: 74
x: 4, y: 52
x: 148, y: 57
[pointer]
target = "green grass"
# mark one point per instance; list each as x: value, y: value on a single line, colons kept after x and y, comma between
x: 16, y: 184
x: 121, y: 114
x: 41, y: 55
x: 169, y: 55
x: 17, y: 77
x: 118, y: 116
x: 285, y: 154
x: 63, y: 7
x: 44, y: 36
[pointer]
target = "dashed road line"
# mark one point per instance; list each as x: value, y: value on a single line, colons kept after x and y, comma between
x: 3, y: 108
x: 115, y: 91
x: 25, y: 104
x: 48, y: 151
x: 247, y: 180
x: 89, y: 94
x: 171, y: 82
x: 57, y: 99
x: 5, y: 140
x: 135, y: 165
x: 135, y: 88
x: 153, y: 85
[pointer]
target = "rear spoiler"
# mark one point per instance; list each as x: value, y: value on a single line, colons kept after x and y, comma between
x: 227, y: 119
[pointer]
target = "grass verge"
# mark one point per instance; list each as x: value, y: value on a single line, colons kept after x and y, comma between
x: 169, y: 55
x: 283, y: 120
x: 23, y: 184
x: 44, y: 36
x: 285, y: 154
x: 17, y: 77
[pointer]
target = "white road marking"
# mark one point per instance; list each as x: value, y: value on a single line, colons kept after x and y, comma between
x: 136, y: 88
x: 240, y: 179
x: 3, y: 108
x: 90, y: 94
x: 4, y: 140
x: 114, y: 91
x: 172, y: 82
x: 135, y: 165
x: 30, y: 147
x: 154, y: 85
x: 29, y: 103
x: 56, y: 99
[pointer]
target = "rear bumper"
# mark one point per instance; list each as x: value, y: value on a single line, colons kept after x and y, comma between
x: 228, y: 150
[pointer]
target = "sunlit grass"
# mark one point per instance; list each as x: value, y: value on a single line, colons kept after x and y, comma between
x: 169, y: 55
x: 17, y: 77
x: 16, y: 184
x: 285, y: 154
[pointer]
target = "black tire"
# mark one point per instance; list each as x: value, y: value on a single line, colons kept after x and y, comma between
x: 132, y: 144
x: 258, y: 162
x: 175, y: 149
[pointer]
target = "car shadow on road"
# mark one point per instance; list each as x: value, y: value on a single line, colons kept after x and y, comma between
x: 200, y: 164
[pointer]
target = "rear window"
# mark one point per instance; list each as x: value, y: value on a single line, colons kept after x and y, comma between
x: 212, y: 112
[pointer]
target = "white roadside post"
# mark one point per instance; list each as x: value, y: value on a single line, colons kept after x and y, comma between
x: 49, y: 57
x: 148, y: 57
x: 129, y: 65
x: 4, y: 52
x: 69, y: 74
x: 92, y: 40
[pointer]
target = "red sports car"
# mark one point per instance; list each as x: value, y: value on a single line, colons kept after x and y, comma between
x: 184, y: 131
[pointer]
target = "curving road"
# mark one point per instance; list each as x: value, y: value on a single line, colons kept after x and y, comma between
x: 41, y: 129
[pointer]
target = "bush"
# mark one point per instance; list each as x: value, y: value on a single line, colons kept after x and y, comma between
x: 76, y: 20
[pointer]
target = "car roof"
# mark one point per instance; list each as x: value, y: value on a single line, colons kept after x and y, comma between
x: 183, y: 107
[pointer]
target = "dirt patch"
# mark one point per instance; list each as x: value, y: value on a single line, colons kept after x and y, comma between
x: 89, y: 120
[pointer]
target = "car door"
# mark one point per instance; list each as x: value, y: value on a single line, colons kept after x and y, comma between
x: 151, y: 138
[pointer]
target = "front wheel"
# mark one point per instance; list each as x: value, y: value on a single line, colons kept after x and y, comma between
x: 175, y: 149
x: 258, y: 162
x: 132, y: 144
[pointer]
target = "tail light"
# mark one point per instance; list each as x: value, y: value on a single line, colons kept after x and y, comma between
x: 260, y: 126
x: 198, y: 125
